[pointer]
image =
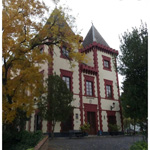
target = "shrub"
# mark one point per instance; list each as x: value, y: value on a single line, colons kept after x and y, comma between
x: 85, y: 127
x: 113, y: 128
x: 141, y: 145
x: 21, y: 140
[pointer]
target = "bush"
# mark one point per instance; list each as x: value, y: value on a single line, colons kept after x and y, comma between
x: 113, y: 128
x: 141, y: 145
x: 21, y: 140
x: 85, y: 127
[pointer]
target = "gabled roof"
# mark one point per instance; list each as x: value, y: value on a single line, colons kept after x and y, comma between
x: 94, y: 36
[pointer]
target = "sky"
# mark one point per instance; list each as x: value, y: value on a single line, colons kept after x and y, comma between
x: 110, y: 17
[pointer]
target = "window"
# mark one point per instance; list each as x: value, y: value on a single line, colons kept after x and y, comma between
x: 111, y: 116
x: 65, y: 52
x: 41, y: 47
x: 89, y: 90
x: 111, y: 119
x: 108, y: 89
x: 89, y: 85
x: 106, y: 63
x: 67, y: 124
x: 67, y: 76
x: 67, y: 80
x: 77, y: 116
x: 38, y: 122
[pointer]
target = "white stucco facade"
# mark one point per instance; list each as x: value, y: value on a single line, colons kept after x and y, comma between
x: 95, y: 108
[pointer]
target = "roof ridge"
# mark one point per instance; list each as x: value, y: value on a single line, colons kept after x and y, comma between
x: 93, y: 33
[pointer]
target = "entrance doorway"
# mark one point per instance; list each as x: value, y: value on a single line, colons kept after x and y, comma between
x: 91, y: 119
x: 111, y: 120
x: 67, y: 125
x: 38, y: 122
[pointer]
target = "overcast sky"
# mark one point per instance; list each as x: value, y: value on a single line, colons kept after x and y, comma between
x: 110, y: 17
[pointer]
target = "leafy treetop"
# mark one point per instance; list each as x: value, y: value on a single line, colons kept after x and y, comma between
x: 23, y: 32
x: 134, y: 65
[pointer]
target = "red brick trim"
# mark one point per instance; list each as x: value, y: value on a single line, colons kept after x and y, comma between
x: 107, y: 59
x: 80, y: 94
x: 67, y: 74
x: 91, y: 79
x: 109, y: 82
x: 88, y: 69
x: 91, y: 108
x: 95, y: 57
x: 99, y: 47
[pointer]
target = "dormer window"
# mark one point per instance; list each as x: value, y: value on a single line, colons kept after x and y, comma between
x: 65, y: 52
x: 41, y: 47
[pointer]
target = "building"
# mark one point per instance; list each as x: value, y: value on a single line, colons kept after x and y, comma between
x: 94, y: 85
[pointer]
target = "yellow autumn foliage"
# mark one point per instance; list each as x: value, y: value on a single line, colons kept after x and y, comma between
x: 23, y: 31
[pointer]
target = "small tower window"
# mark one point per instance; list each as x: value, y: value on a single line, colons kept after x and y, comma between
x: 65, y: 52
x: 106, y: 63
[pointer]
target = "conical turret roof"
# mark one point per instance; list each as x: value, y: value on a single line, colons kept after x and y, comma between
x: 94, y: 36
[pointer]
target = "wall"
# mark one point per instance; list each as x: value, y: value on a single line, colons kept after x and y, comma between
x: 61, y: 63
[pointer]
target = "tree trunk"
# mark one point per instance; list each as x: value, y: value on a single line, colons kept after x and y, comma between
x: 134, y: 125
x: 53, y: 127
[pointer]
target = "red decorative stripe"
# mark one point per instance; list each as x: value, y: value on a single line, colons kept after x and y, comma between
x: 99, y: 47
x: 80, y: 95
x: 98, y: 88
x: 88, y: 69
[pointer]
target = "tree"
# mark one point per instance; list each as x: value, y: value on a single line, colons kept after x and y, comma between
x: 23, y: 32
x: 134, y: 66
x: 56, y: 106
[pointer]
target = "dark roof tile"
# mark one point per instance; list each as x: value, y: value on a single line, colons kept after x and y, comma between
x: 94, y: 36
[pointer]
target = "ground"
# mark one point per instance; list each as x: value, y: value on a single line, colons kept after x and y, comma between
x: 92, y: 143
